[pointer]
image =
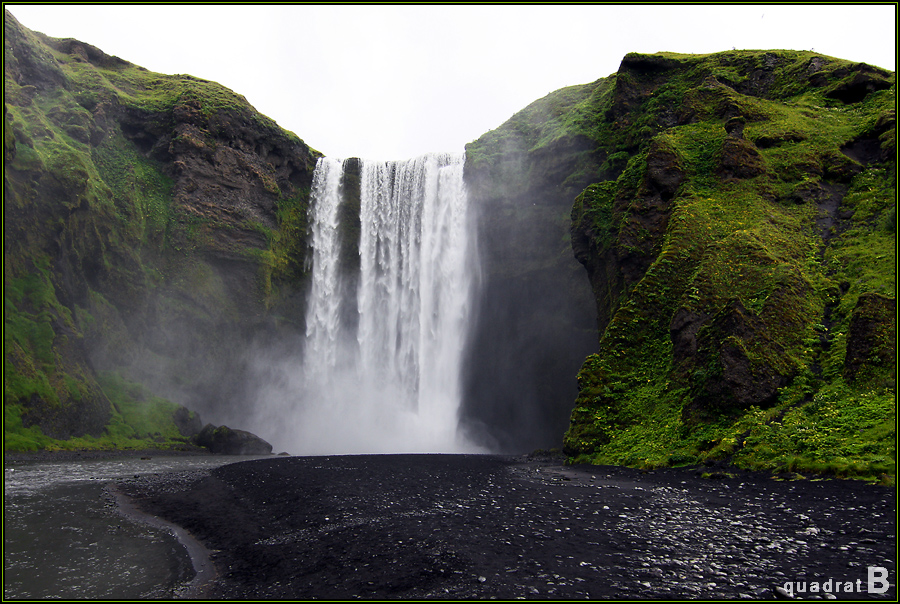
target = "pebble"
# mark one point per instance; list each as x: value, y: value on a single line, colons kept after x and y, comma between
x: 596, y: 537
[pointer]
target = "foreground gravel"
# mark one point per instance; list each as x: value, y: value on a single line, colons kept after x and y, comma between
x: 477, y: 527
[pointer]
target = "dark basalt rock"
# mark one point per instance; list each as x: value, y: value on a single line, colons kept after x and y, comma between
x: 877, y: 145
x: 683, y: 333
x: 646, y: 217
x: 225, y: 441
x: 859, y: 85
x: 761, y: 79
x: 740, y: 157
x: 730, y: 379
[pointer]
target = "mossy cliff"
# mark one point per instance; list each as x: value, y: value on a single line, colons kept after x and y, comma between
x: 735, y: 212
x: 740, y: 240
x: 153, y: 226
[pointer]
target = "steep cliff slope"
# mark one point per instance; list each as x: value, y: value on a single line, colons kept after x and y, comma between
x: 535, y: 321
x: 743, y: 264
x: 153, y: 225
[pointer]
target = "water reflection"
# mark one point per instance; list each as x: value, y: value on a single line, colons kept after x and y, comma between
x: 63, y: 537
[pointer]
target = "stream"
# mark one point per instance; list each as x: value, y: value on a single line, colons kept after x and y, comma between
x: 64, y: 536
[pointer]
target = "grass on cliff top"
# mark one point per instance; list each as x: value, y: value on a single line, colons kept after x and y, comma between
x: 556, y: 116
x: 136, y: 87
x: 582, y: 111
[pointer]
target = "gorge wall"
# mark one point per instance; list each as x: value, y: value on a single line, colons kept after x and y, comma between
x: 153, y: 229
x: 722, y: 289
x: 536, y: 320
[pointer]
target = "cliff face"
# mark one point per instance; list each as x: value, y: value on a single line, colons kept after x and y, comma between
x: 154, y: 225
x: 735, y: 213
x: 535, y: 321
x: 733, y: 261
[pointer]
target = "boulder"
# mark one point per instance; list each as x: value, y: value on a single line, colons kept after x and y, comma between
x: 223, y: 440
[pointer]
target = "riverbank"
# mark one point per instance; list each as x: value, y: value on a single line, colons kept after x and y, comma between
x: 65, y: 536
x: 89, y: 454
x: 477, y: 527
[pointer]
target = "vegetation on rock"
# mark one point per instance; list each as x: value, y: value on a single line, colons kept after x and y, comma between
x: 735, y: 212
x: 744, y: 266
x: 150, y: 223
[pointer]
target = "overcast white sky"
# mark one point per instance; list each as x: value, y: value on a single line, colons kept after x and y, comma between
x: 393, y: 82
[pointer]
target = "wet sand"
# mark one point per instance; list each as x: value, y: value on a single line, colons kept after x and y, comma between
x: 479, y: 527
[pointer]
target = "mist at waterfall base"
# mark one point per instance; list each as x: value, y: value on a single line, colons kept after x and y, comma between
x: 393, y: 278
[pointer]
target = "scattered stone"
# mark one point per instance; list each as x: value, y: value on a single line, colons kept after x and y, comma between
x: 783, y: 594
x: 438, y: 527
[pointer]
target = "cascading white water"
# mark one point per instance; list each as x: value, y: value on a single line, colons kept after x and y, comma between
x: 322, y: 314
x: 389, y: 379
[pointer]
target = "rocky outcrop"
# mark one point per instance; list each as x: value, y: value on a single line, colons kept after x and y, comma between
x: 872, y: 340
x: 739, y: 157
x: 187, y: 423
x: 645, y: 215
x: 617, y: 237
x: 731, y: 377
x: 726, y: 256
x: 861, y: 81
x: 222, y: 440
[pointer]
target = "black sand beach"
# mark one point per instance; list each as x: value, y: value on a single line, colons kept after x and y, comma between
x: 480, y: 527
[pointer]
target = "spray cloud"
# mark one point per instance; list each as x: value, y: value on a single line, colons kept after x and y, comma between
x: 385, y: 335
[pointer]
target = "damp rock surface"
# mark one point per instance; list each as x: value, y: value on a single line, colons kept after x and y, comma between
x: 479, y: 527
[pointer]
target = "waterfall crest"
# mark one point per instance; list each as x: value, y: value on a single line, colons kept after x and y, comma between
x: 384, y: 340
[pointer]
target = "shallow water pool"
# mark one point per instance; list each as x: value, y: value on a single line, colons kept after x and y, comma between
x: 65, y: 538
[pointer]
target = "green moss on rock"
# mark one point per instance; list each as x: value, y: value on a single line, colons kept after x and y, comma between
x: 122, y: 187
x: 729, y: 295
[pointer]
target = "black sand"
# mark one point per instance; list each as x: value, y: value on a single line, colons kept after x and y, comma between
x: 479, y: 527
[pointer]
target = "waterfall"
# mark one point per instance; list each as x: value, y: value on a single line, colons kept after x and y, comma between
x: 324, y: 300
x: 384, y: 339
